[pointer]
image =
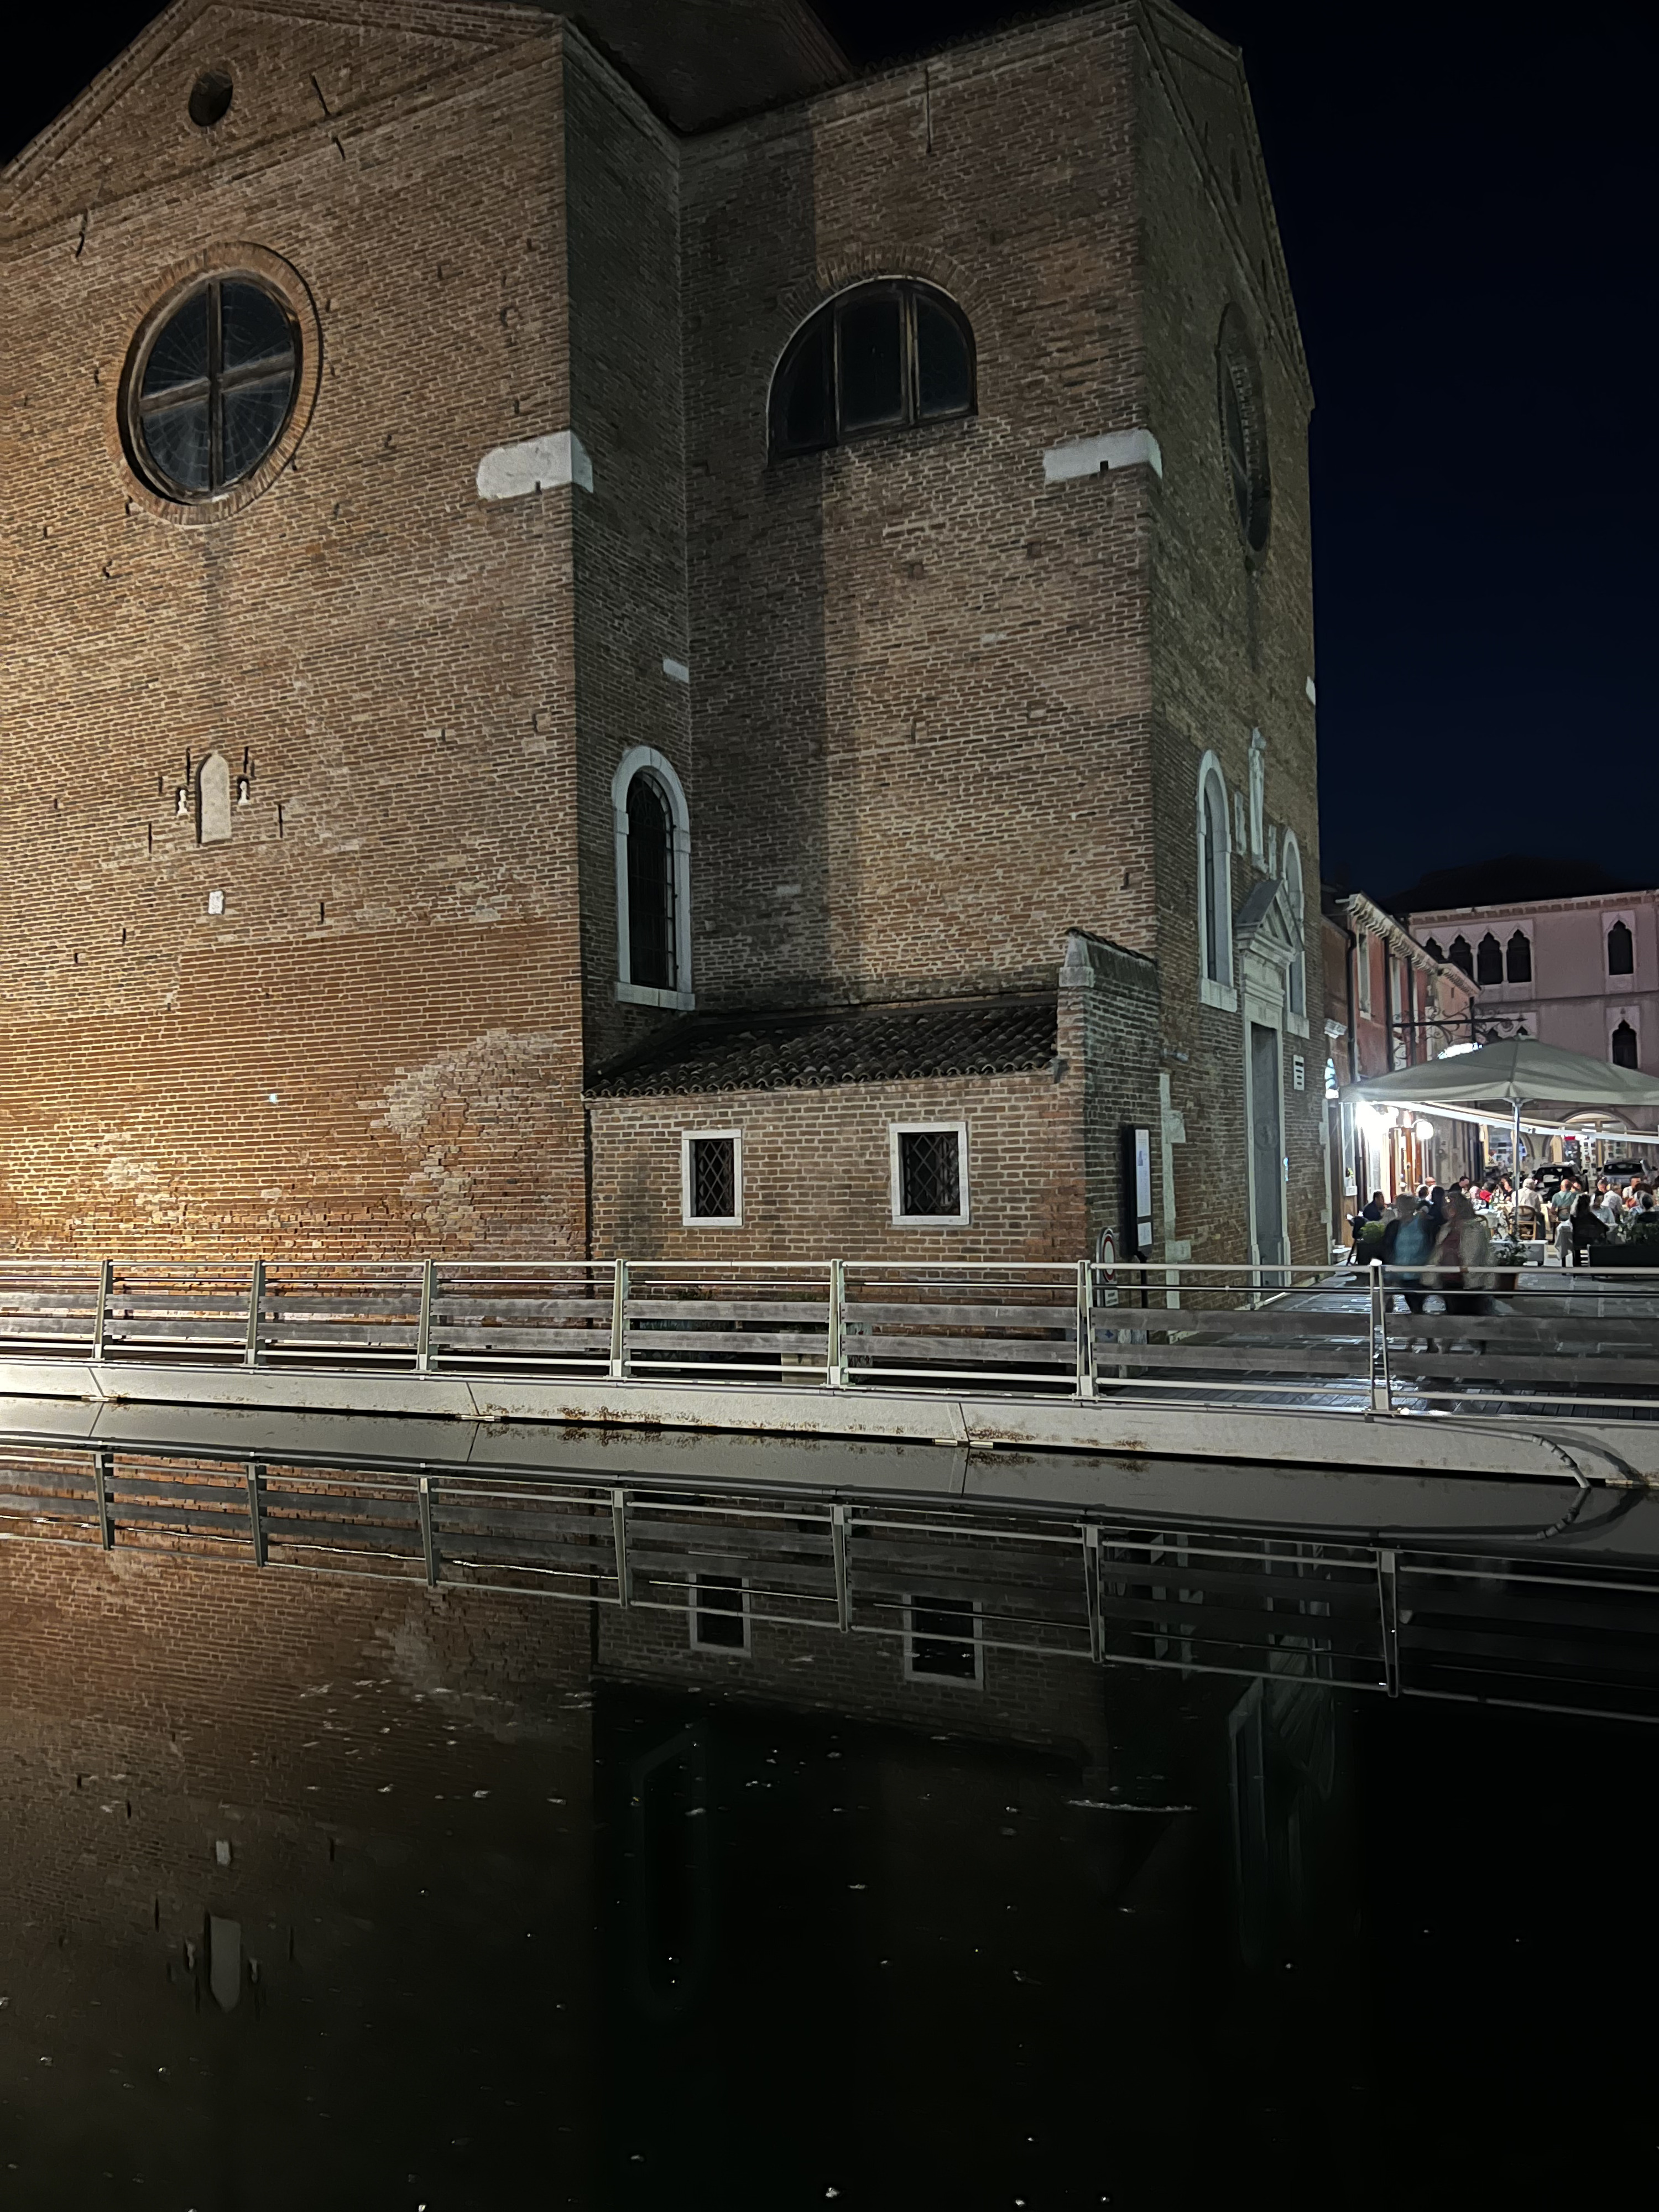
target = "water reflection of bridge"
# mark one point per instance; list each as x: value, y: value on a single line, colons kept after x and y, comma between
x: 1523, y: 1594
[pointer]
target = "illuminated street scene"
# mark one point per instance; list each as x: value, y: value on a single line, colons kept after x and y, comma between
x: 829, y: 1289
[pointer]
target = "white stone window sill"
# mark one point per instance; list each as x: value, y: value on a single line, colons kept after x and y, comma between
x: 1296, y: 1024
x: 643, y: 995
x: 930, y: 1221
x: 711, y: 1221
x: 1218, y: 994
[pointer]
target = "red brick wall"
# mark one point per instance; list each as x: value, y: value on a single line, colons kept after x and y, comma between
x: 626, y: 404
x: 941, y: 711
x: 920, y: 684
x: 388, y: 656
x: 1233, y: 635
x: 816, y: 1171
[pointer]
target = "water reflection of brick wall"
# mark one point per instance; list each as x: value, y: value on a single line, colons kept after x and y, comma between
x: 273, y: 1845
x: 1019, y: 1700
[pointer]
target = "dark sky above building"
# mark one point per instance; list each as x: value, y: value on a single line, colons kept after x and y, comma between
x: 1468, y: 196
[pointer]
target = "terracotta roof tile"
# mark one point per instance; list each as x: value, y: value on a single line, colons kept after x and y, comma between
x: 847, y: 1044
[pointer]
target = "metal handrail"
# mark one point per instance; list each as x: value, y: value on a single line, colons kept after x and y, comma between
x: 1084, y: 1329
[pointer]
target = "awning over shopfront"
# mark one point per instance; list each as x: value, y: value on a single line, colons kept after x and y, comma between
x: 1503, y: 1080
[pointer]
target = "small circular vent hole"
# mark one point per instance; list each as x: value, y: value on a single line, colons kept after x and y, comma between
x: 210, y: 99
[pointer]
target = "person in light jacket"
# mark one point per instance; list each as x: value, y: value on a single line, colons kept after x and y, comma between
x: 1464, y: 1250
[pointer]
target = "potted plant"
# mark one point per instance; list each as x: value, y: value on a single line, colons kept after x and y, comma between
x: 1368, y: 1245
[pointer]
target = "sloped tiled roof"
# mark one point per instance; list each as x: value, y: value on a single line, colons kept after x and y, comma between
x: 847, y: 1044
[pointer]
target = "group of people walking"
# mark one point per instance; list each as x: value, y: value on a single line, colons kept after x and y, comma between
x: 1436, y: 1239
x: 1445, y: 1231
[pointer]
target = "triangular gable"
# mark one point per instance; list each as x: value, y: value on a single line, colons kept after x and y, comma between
x: 1205, y: 81
x: 1264, y: 924
x: 293, y: 68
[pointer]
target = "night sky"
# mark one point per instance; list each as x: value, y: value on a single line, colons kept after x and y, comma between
x: 1468, y: 204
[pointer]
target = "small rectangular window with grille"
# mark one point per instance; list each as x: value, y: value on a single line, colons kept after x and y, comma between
x: 711, y: 1177
x: 719, y: 1613
x: 943, y: 1640
x: 930, y: 1173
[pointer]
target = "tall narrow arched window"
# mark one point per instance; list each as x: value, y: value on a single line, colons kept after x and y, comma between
x: 1296, y: 976
x: 652, y: 826
x: 1432, y: 949
x: 1489, y: 960
x: 1621, y: 950
x: 1624, y: 1047
x: 1518, y: 958
x: 1214, y: 884
x: 1460, y: 957
x: 650, y: 885
x: 882, y: 357
x: 1244, y: 428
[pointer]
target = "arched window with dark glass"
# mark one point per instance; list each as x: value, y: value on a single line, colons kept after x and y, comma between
x: 652, y: 830
x: 1432, y: 949
x: 1621, y: 950
x: 1489, y: 960
x: 1296, y: 976
x: 650, y: 885
x: 882, y: 357
x: 1517, y: 958
x: 1624, y: 1047
x: 1215, y: 877
x: 1460, y: 957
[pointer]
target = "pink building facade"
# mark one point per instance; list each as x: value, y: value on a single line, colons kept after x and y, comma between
x: 1579, y: 973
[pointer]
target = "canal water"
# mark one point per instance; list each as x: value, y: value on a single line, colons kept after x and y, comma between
x: 321, y: 1893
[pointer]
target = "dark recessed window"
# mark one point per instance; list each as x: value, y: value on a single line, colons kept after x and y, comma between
x: 210, y: 97
x: 1462, y: 957
x: 942, y: 1639
x: 650, y: 886
x: 1624, y: 1046
x: 719, y: 1613
x: 876, y: 358
x: 1244, y: 429
x: 1489, y: 960
x: 1433, y: 949
x: 211, y: 387
x: 1518, y: 958
x: 928, y: 1172
x: 1621, y: 950
x: 711, y: 1179
x: 1214, y: 894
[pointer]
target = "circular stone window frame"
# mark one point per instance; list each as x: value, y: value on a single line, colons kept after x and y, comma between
x: 1238, y: 370
x: 228, y: 261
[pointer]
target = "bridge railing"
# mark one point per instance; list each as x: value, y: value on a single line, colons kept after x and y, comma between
x: 949, y: 1588
x: 1212, y: 1333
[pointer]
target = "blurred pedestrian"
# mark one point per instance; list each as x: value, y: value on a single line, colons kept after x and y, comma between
x: 1578, y: 1230
x: 1408, y: 1247
x: 1463, y: 1250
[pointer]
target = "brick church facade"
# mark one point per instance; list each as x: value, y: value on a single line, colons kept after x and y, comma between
x: 622, y: 640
